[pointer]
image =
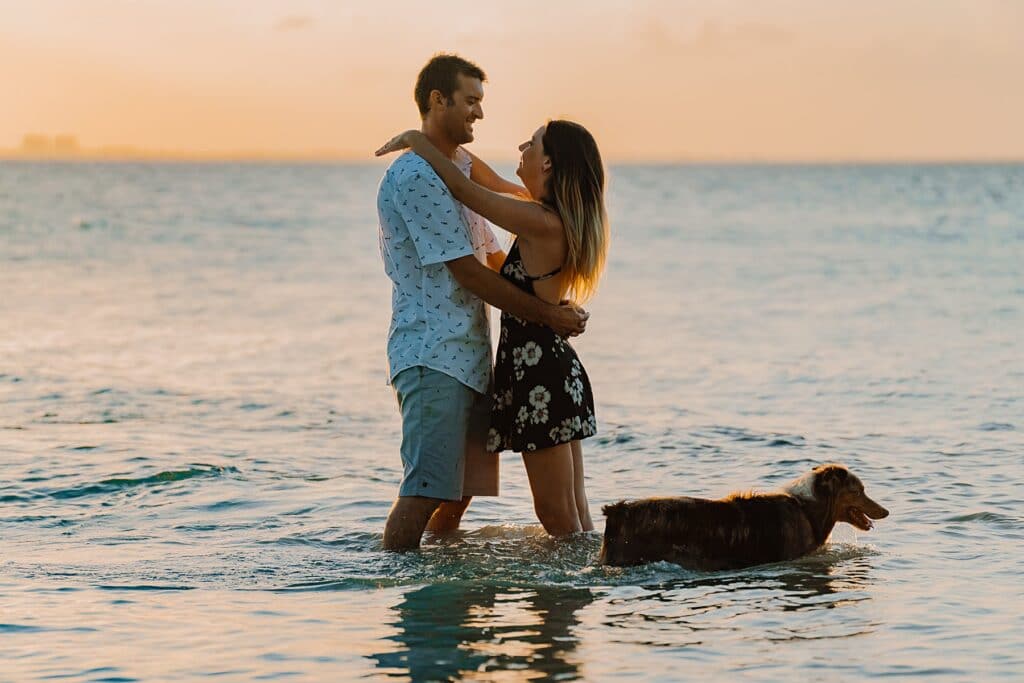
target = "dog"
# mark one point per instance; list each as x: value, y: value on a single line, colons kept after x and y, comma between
x: 741, y: 530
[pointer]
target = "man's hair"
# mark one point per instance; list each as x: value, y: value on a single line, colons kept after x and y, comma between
x: 440, y: 74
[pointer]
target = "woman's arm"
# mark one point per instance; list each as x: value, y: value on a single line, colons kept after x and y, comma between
x: 525, y: 218
x: 483, y: 174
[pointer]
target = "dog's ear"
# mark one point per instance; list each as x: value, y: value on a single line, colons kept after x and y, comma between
x: 830, y: 479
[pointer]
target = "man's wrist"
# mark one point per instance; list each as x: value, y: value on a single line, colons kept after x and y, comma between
x: 546, y: 313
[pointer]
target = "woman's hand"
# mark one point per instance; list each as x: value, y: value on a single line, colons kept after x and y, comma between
x: 399, y: 142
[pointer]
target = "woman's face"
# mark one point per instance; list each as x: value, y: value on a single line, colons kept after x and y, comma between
x: 534, y: 164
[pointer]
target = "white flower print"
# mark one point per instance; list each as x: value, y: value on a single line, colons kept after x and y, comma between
x: 575, y: 390
x: 576, y: 368
x: 523, y: 416
x: 539, y: 416
x: 540, y: 397
x: 515, y: 269
x: 493, y: 440
x: 565, y: 431
x: 502, y: 400
x: 531, y: 446
x: 553, y: 434
x: 517, y: 362
x: 531, y: 353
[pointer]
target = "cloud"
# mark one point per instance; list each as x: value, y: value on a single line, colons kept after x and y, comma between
x: 294, y: 23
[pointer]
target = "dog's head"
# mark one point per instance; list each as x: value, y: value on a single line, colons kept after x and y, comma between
x: 844, y: 493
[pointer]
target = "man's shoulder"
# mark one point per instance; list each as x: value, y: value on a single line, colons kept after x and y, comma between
x: 408, y: 169
x: 403, y: 172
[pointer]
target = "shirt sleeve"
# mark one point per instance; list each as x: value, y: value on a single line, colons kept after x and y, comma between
x: 433, y: 218
x: 491, y: 245
x: 480, y: 229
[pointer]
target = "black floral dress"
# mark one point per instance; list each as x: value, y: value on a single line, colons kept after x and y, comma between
x: 542, y: 396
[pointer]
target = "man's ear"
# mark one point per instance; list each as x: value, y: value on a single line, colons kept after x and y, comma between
x: 437, y: 99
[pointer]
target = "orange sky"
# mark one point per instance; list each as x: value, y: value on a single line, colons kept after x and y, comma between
x: 654, y: 80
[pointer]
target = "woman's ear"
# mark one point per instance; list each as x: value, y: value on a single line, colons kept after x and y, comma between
x: 546, y: 164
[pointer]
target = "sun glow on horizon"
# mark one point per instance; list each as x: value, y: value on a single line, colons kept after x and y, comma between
x: 658, y: 80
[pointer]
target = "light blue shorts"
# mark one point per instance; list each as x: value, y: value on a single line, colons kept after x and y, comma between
x: 444, y: 434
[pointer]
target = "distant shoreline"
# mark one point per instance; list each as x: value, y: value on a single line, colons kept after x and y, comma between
x: 9, y: 156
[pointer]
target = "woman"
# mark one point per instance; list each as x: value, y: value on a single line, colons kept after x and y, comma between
x: 543, y: 404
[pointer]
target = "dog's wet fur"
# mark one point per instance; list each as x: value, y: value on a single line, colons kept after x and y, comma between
x: 741, y: 530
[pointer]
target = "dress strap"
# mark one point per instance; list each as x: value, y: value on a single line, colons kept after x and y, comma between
x: 546, y: 276
x: 530, y: 278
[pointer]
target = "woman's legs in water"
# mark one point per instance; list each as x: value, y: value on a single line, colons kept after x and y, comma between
x: 550, y: 471
x: 579, y: 488
x: 447, y: 516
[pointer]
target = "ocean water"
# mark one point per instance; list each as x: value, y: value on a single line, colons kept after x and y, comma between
x: 198, y: 449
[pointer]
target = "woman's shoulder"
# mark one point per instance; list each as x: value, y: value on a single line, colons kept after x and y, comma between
x: 554, y: 232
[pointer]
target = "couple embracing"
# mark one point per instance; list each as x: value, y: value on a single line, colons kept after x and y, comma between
x: 446, y: 265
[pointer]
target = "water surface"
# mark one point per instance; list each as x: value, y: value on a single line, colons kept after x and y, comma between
x: 199, y: 451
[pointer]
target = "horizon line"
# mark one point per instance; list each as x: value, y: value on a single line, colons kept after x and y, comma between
x: 129, y: 155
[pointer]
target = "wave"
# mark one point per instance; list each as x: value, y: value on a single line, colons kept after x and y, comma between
x: 115, y: 484
x: 995, y: 518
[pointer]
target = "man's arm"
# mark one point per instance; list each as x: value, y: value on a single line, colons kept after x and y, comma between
x: 567, y: 321
x: 439, y: 235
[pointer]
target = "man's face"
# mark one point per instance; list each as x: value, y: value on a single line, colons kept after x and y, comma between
x: 465, y: 109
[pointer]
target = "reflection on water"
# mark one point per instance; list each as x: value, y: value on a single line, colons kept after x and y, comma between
x: 748, y: 605
x: 448, y: 630
x: 483, y: 630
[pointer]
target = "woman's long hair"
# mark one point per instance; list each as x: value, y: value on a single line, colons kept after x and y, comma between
x: 575, y: 189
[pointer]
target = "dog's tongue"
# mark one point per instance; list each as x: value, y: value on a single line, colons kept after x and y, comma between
x: 859, y: 519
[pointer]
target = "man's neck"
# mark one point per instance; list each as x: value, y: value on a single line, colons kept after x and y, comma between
x: 439, y: 140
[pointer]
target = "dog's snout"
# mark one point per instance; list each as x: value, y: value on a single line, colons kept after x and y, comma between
x: 874, y: 510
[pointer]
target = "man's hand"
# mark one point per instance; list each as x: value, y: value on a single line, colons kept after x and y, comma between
x: 567, y: 320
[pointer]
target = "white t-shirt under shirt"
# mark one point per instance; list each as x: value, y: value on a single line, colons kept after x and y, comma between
x: 435, y: 322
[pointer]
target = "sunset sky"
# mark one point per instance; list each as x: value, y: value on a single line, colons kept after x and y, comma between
x: 654, y: 80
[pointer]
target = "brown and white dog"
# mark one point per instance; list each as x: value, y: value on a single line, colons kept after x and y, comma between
x: 741, y: 530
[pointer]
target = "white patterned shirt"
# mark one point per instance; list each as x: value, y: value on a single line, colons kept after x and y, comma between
x: 435, y: 321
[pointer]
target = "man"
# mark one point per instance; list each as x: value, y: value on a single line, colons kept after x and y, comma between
x: 439, y: 349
